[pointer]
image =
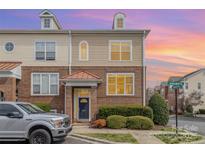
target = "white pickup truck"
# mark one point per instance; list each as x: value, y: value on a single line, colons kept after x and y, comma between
x: 25, y: 121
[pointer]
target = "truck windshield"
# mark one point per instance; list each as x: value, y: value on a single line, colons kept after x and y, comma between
x: 30, y: 109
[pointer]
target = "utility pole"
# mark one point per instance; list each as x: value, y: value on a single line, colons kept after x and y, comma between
x: 176, y: 109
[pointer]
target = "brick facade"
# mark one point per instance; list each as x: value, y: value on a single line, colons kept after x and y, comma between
x: 24, y: 86
x: 98, y: 94
x: 8, y: 87
x: 102, y: 98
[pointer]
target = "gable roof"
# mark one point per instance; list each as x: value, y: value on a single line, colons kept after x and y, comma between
x: 81, y: 76
x: 193, y: 73
x: 174, y: 79
x: 48, y: 13
x: 8, y: 66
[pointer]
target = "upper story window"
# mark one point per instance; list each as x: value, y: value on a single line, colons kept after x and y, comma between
x: 9, y: 47
x: 119, y: 21
x: 120, y: 50
x: 47, y: 23
x: 45, y: 50
x: 45, y: 84
x: 120, y: 84
x: 83, y: 51
x: 199, y: 85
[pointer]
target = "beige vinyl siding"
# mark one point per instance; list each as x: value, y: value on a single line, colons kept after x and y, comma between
x: 24, y: 49
x: 193, y: 86
x: 99, y: 49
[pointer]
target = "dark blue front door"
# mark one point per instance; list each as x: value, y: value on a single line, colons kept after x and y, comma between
x: 83, y: 108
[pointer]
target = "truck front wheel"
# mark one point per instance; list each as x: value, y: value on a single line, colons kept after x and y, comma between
x: 40, y: 136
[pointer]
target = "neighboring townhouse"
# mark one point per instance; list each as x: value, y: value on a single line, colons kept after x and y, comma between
x: 75, y: 71
x: 168, y: 93
x: 195, y: 82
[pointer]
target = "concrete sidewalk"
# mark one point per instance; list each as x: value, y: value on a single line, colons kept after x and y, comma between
x: 142, y: 136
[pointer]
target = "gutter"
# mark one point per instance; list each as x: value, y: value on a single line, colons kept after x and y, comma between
x: 144, y: 70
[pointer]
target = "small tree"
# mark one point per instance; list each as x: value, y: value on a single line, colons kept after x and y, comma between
x: 160, y: 109
x: 191, y: 100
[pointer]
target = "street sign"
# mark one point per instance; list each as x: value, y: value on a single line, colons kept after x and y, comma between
x: 176, y: 85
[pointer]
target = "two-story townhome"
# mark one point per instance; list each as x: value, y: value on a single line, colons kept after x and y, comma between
x: 195, y: 82
x: 75, y: 71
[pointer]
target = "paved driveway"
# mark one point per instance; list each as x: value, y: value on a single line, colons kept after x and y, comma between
x: 68, y: 140
x: 192, y: 124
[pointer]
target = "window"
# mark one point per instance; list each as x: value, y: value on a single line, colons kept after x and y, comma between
x: 5, y: 109
x: 47, y: 23
x: 120, y: 84
x: 199, y: 86
x: 120, y: 50
x: 186, y: 85
x: 45, y: 50
x: 9, y: 46
x: 119, y: 23
x: 83, y: 51
x: 45, y: 83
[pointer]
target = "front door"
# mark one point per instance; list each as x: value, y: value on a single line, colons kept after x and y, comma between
x: 83, y: 108
x: 1, y: 96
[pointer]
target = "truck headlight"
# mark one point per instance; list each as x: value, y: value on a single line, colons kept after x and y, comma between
x: 57, y: 123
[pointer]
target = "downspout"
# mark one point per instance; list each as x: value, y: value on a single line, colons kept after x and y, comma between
x: 65, y: 100
x: 144, y: 70
x: 69, y: 63
x: 70, y: 51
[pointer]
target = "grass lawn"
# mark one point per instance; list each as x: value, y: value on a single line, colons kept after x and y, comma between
x: 122, y: 138
x: 170, y: 129
x: 181, y: 138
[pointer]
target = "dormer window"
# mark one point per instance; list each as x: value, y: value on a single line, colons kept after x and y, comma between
x: 119, y: 21
x: 47, y: 23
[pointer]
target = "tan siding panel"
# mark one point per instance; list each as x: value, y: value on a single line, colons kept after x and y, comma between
x: 99, y: 49
x: 25, y: 47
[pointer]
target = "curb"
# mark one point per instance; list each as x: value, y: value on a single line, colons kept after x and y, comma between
x: 100, y: 141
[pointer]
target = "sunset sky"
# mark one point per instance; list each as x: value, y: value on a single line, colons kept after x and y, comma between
x: 175, y: 45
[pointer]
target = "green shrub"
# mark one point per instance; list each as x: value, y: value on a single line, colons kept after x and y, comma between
x: 202, y: 111
x: 126, y: 111
x: 116, y: 121
x: 139, y: 122
x: 160, y: 110
x: 188, y: 114
x: 189, y: 109
x: 44, y: 106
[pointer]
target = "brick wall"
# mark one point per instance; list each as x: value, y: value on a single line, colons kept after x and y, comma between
x: 8, y: 87
x: 24, y: 86
x: 101, y: 71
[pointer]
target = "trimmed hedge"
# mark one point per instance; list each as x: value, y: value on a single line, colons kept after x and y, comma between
x: 202, y: 111
x: 139, y: 122
x: 116, y: 121
x: 44, y: 106
x: 160, y: 109
x: 126, y: 111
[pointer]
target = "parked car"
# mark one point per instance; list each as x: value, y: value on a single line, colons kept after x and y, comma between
x: 25, y: 121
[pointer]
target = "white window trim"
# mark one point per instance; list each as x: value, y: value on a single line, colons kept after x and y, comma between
x: 120, y: 41
x: 32, y: 94
x: 51, y: 24
x: 115, y: 21
x: 133, y: 75
x: 45, y: 41
x: 80, y: 58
